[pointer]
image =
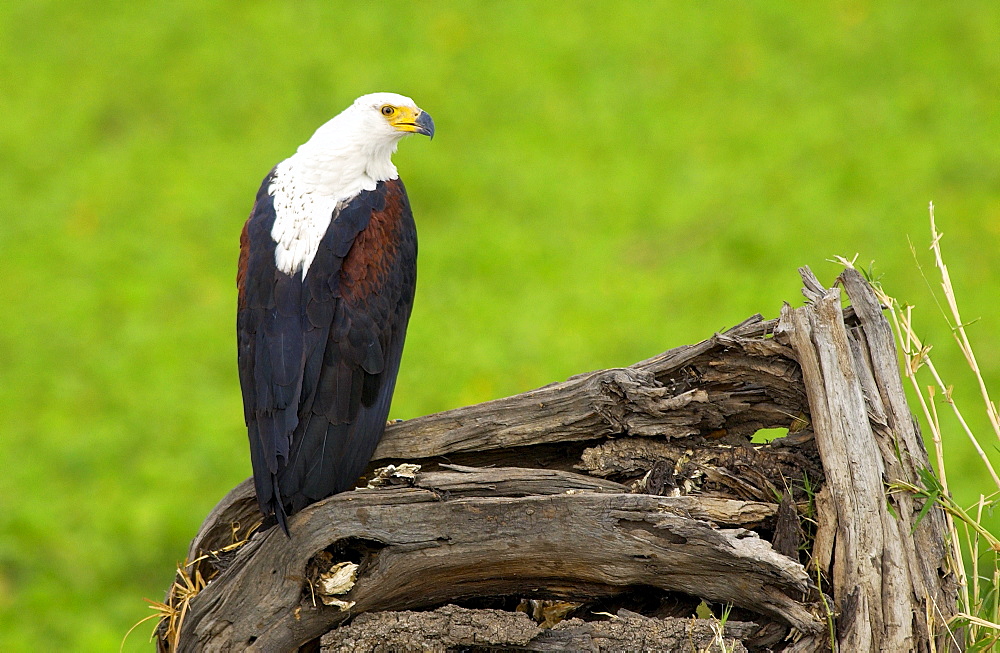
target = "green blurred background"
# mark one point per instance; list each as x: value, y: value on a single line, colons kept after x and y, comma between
x: 609, y: 180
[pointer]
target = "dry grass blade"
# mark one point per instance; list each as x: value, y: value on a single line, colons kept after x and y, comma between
x: 178, y: 603
x: 958, y: 329
x: 159, y: 615
x: 949, y: 506
x: 237, y: 542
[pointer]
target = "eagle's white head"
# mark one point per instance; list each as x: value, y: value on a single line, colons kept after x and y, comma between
x: 354, y: 150
x: 349, y: 154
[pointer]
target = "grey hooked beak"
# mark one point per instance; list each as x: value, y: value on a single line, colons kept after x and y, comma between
x: 425, y: 124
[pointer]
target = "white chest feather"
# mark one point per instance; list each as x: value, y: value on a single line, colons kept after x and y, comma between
x: 301, y: 218
x: 305, y: 201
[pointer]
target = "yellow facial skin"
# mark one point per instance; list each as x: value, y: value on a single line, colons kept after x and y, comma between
x: 408, y: 119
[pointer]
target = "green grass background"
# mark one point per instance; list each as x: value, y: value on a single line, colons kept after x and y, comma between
x: 609, y: 180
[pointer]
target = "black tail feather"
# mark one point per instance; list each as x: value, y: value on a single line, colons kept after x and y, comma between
x: 278, y: 507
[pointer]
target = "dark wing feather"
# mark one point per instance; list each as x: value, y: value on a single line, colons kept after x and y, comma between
x: 319, y: 356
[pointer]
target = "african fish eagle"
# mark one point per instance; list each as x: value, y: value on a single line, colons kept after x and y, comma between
x: 327, y: 271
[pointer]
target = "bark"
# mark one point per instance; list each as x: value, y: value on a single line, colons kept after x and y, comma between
x: 451, y: 627
x: 610, y: 503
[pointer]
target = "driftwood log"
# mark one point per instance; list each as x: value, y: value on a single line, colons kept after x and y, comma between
x: 604, y: 512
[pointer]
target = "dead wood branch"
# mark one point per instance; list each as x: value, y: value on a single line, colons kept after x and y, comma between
x: 555, y: 540
x: 632, y: 491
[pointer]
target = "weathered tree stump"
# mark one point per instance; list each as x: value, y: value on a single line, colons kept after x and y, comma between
x: 598, y: 513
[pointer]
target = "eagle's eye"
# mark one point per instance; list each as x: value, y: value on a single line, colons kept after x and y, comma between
x: 388, y: 110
